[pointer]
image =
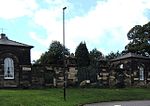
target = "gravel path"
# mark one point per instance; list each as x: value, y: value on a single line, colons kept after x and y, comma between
x: 123, y: 103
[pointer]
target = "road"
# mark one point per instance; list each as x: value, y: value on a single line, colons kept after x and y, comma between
x: 124, y: 103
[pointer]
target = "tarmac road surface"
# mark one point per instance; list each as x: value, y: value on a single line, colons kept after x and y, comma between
x: 122, y: 103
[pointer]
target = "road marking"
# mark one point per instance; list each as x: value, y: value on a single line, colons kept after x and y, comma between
x: 117, y: 105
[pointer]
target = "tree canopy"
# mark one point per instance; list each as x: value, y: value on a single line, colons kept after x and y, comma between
x: 54, y: 55
x: 96, y: 55
x: 139, y: 37
x: 113, y: 55
x: 82, y: 55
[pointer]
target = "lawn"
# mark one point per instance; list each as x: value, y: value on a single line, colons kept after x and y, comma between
x: 75, y: 97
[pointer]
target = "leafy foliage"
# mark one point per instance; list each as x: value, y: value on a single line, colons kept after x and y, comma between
x: 54, y: 55
x: 92, y: 69
x: 96, y: 55
x: 139, y: 37
x: 87, y: 63
x: 82, y: 55
x: 113, y: 55
x: 83, y: 61
x: 43, y: 59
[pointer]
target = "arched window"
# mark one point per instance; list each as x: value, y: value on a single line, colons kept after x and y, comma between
x: 141, y: 72
x: 8, y: 68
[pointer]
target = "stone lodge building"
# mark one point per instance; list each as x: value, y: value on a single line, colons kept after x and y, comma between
x: 130, y: 69
x: 15, y: 65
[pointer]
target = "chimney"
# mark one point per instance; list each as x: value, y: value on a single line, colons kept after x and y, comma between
x: 3, y: 36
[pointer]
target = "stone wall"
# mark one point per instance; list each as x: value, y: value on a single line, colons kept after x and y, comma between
x: 52, y: 76
x: 103, y: 73
x: 72, y: 76
x: 42, y: 76
x: 25, y: 77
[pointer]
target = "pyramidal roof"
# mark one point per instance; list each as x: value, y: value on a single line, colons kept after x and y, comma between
x: 5, y: 41
x: 130, y: 55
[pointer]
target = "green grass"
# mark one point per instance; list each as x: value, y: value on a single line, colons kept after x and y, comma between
x: 75, y: 97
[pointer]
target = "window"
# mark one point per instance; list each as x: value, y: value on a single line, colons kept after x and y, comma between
x: 121, y: 66
x: 8, y: 68
x: 141, y: 72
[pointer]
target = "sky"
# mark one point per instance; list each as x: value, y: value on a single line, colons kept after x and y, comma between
x: 102, y: 24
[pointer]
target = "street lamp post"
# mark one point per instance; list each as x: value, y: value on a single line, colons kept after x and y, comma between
x: 64, y: 70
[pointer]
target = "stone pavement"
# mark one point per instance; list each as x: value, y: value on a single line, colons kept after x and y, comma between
x: 122, y: 103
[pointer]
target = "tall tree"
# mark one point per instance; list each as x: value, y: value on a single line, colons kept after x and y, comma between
x: 82, y: 55
x: 139, y: 37
x: 54, y: 55
x: 83, y: 61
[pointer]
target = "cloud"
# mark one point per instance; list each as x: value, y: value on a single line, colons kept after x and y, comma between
x: 103, y: 26
x: 35, y: 54
x: 108, y: 23
x: 51, y: 20
x: 11, y: 9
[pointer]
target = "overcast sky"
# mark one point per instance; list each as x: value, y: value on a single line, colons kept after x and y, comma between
x: 102, y: 24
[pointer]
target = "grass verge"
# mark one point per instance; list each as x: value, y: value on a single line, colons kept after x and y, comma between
x: 75, y: 97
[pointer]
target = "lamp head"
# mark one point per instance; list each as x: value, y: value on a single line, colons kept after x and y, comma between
x: 64, y: 8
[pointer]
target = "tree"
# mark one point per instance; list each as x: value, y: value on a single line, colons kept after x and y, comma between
x: 83, y: 61
x: 95, y: 55
x: 43, y: 59
x: 139, y: 37
x: 82, y: 55
x: 113, y: 55
x: 54, y: 55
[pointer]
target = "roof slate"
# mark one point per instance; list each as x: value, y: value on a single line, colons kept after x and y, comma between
x: 130, y: 55
x: 5, y: 41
